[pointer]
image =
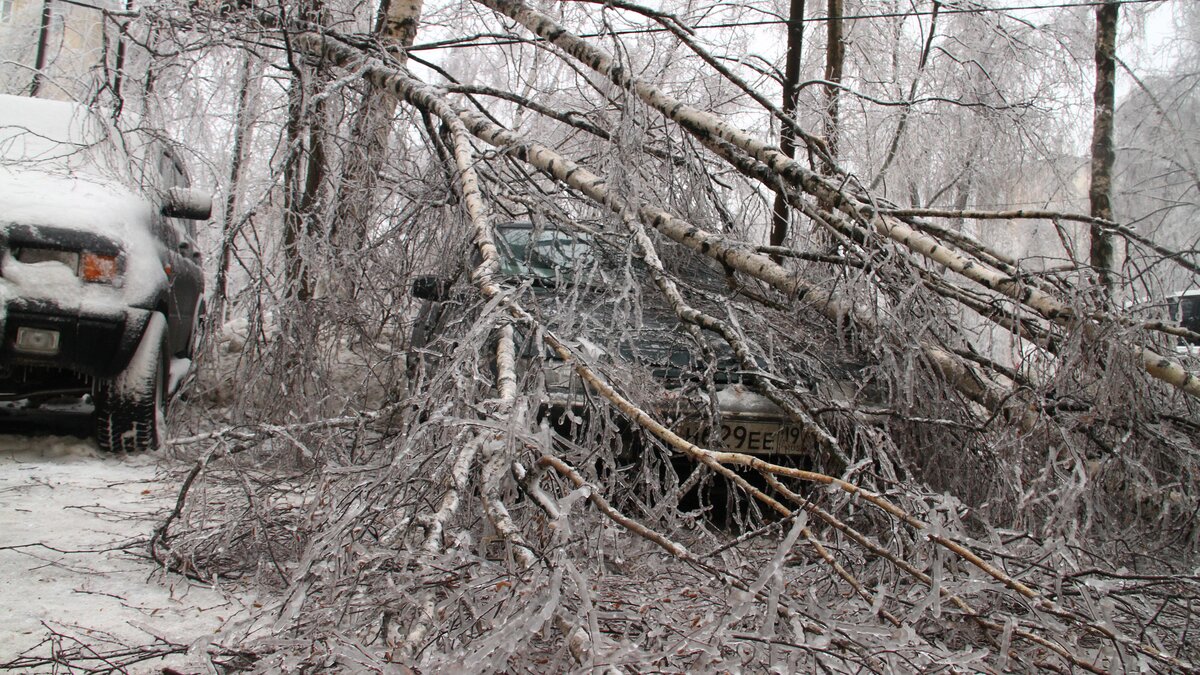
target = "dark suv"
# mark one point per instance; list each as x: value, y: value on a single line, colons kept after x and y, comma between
x: 568, y: 281
x: 100, y: 279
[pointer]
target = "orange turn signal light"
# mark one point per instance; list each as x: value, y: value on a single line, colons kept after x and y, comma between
x: 97, y: 268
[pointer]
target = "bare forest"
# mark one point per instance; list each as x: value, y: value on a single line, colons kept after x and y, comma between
x: 941, y: 237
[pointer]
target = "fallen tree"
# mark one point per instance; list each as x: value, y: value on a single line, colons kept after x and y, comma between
x: 965, y: 506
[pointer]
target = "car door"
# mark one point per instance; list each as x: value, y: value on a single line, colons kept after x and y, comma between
x: 182, y: 261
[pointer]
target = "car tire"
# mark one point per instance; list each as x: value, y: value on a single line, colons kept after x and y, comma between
x: 130, y: 407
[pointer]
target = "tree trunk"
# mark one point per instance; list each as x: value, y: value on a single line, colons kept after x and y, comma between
x: 241, y: 137
x: 396, y: 26
x: 787, y: 136
x: 39, y: 61
x: 119, y: 64
x: 835, y: 58
x: 894, y: 147
x: 306, y: 167
x: 293, y: 196
x: 1100, y: 193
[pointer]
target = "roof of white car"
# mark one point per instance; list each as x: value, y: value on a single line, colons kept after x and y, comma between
x: 63, y: 135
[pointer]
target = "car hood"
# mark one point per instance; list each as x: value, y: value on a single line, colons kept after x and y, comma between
x: 650, y: 336
x: 35, y: 196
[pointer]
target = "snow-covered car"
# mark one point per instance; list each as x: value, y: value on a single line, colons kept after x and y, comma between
x: 566, y: 280
x: 1184, y: 307
x: 100, y: 278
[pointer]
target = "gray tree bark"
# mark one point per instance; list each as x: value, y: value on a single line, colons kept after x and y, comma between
x: 241, y: 136
x: 835, y: 59
x: 1100, y: 193
x: 396, y: 27
x: 787, y: 137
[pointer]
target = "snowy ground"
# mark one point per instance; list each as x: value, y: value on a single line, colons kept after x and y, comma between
x: 66, y: 511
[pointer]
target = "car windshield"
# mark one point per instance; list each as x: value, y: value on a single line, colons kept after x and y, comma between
x: 547, y: 255
x: 1186, y: 310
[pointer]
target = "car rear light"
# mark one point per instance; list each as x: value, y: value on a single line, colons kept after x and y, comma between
x: 96, y: 268
x: 37, y: 255
x: 37, y: 341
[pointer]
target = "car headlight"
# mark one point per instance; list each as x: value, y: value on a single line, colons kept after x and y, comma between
x: 96, y: 268
x: 30, y: 256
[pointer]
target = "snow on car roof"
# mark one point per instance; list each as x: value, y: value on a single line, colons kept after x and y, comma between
x: 60, y: 135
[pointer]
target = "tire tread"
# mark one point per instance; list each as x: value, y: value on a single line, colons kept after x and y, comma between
x: 127, y: 415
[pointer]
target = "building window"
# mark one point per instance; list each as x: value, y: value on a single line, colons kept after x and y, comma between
x: 6, y: 7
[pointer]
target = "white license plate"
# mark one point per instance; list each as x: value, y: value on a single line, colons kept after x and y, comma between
x: 751, y: 436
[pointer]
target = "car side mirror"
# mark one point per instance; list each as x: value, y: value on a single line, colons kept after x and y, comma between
x: 188, y: 203
x: 431, y: 288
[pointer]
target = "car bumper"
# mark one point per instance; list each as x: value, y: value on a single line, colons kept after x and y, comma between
x: 86, y: 344
x: 750, y: 422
